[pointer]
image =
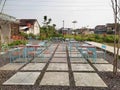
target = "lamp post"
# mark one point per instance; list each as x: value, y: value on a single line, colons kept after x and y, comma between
x: 74, y: 22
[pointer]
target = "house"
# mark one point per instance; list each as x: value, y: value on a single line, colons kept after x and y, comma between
x: 86, y: 31
x: 29, y: 26
x: 111, y: 28
x: 8, y: 27
x: 100, y: 29
x: 65, y: 31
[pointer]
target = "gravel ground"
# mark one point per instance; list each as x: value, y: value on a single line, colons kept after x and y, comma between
x: 113, y: 83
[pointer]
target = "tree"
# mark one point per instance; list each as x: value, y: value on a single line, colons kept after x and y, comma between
x: 0, y: 39
x: 45, y: 18
x: 46, y: 25
x: 116, y: 11
x: 47, y: 30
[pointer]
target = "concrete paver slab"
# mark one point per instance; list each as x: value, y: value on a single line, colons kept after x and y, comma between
x: 75, y: 52
x: 104, y: 67
x: 12, y: 66
x: 59, y: 49
x: 99, y: 60
x: 38, y: 60
x: 55, y: 78
x: 48, y: 52
x: 81, y: 67
x: 23, y: 78
x: 88, y: 79
x: 34, y: 66
x: 44, y: 55
x: 21, y: 60
x: 108, y: 48
x: 59, y: 60
x: 75, y: 55
x: 60, y: 52
x: 58, y: 66
x: 60, y: 55
x: 82, y: 60
x: 47, y: 55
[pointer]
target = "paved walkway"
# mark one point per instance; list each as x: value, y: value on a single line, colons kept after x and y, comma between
x: 108, y: 48
x: 59, y: 68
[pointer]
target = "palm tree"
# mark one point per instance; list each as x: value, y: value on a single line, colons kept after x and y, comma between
x: 45, y: 18
x: 54, y: 25
x: 49, y: 20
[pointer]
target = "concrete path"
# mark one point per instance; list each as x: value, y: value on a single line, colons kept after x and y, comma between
x: 61, y: 69
x: 108, y: 48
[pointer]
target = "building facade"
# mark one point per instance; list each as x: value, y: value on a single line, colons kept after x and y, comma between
x: 8, y: 26
x: 29, y: 26
x: 100, y: 29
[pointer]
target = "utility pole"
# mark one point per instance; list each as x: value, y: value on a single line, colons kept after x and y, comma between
x: 119, y: 8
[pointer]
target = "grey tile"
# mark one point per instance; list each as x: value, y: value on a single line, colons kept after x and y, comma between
x: 12, y: 66
x: 23, y: 78
x: 88, y: 79
x: 58, y: 66
x: 55, y: 78
x: 104, y: 67
x: 81, y: 67
x: 34, y: 66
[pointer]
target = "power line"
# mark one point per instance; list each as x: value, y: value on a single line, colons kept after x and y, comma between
x: 3, y: 6
x: 0, y: 2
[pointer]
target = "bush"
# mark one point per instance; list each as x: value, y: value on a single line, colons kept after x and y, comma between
x: 109, y: 39
x: 32, y: 35
x: 24, y: 35
x: 90, y: 39
x: 18, y: 42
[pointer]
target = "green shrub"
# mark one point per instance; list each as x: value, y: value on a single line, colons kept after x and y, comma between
x: 90, y: 39
x: 109, y: 39
x: 32, y: 35
x: 18, y: 42
x: 24, y: 34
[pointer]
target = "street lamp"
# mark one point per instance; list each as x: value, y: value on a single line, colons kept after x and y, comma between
x: 74, y: 22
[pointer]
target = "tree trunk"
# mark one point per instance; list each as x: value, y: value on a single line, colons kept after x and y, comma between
x: 115, y: 54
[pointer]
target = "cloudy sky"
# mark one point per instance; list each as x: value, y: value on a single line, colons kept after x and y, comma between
x: 85, y: 12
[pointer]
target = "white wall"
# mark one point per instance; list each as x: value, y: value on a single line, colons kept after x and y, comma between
x: 36, y: 28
